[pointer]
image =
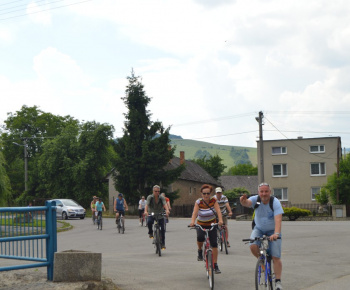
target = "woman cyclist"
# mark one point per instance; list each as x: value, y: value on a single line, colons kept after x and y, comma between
x: 206, y: 211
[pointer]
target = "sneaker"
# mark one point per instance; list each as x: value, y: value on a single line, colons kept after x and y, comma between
x: 200, y: 256
x: 216, y: 269
x: 278, y: 285
x: 140, y: 223
x: 163, y: 247
x: 228, y: 244
x: 150, y: 236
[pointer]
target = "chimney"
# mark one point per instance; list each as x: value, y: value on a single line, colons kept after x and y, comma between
x: 182, y: 157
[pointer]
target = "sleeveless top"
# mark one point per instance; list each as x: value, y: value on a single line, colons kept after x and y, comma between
x: 206, y: 216
x: 120, y: 204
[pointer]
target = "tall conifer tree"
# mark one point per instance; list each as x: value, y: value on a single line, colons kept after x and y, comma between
x: 143, y: 151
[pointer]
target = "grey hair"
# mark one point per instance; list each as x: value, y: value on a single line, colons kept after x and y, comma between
x: 156, y: 186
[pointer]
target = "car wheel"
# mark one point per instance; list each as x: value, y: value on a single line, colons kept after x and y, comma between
x: 82, y: 217
x: 64, y: 216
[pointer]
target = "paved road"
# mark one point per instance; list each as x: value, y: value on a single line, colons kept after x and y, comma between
x: 315, y: 255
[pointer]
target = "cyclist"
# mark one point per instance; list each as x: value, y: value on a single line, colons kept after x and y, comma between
x: 120, y: 206
x: 207, y: 211
x: 156, y: 204
x: 142, y: 204
x: 167, y: 200
x: 98, y: 207
x: 268, y: 221
x: 224, y: 207
x: 92, y: 206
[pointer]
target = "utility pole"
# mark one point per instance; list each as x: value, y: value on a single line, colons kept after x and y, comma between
x: 261, y: 147
x: 25, y: 163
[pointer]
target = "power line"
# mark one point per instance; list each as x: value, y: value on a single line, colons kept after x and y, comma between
x: 45, y: 10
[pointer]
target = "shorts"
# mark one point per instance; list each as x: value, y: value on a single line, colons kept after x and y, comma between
x: 274, y: 247
x: 141, y: 211
x: 121, y: 212
x: 213, y: 237
x: 224, y: 219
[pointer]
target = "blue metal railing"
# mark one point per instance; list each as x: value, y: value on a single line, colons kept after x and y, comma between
x: 29, y: 234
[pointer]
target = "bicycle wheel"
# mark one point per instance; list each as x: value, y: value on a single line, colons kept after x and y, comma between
x: 219, y: 241
x: 123, y: 225
x: 142, y: 219
x: 93, y: 218
x: 101, y: 223
x: 210, y: 268
x: 225, y: 241
x: 158, y: 242
x: 260, y: 275
x: 155, y: 239
x: 270, y: 279
x: 118, y: 225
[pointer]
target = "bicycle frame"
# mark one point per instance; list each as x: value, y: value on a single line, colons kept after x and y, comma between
x: 263, y: 281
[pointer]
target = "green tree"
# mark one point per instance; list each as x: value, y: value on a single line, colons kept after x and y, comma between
x: 5, y: 187
x: 340, y: 184
x: 143, y: 151
x: 243, y: 169
x: 32, y: 126
x: 236, y: 192
x: 74, y: 164
x: 212, y: 165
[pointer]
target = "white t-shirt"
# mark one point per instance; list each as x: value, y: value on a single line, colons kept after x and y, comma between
x: 142, y: 203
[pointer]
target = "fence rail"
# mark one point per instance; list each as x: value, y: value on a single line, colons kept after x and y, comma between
x: 29, y: 234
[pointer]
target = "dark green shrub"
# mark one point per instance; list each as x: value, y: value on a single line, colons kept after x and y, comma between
x: 293, y: 213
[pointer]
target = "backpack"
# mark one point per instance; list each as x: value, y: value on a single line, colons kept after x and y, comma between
x: 257, y: 205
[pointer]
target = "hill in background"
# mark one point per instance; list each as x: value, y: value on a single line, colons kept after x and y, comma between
x: 231, y: 155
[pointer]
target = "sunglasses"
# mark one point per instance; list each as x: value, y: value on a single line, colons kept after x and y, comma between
x: 208, y: 193
x: 264, y: 183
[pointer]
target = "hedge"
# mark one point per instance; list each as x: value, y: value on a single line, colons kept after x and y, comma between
x: 294, y: 213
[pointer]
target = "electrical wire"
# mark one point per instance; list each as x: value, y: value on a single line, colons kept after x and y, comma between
x: 45, y: 10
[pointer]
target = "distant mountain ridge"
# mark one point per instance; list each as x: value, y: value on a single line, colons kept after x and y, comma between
x: 231, y: 155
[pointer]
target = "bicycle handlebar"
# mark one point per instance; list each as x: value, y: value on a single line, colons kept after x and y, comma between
x: 258, y: 239
x: 213, y: 225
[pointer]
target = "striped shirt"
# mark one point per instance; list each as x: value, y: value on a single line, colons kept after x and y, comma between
x: 206, y: 215
x: 222, y: 204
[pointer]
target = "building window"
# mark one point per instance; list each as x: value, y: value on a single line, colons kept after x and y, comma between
x: 279, y: 150
x: 318, y: 168
x: 279, y: 170
x: 317, y: 149
x: 314, y: 191
x: 281, y: 193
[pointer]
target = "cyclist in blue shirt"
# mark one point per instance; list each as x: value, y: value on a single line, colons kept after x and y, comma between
x: 99, y: 205
x: 268, y: 221
x: 120, y: 206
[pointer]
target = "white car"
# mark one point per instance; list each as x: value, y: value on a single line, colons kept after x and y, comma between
x: 68, y: 208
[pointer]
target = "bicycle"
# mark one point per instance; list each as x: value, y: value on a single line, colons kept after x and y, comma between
x: 208, y: 254
x: 264, y: 277
x: 222, y: 239
x: 94, y: 217
x: 143, y: 220
x: 121, y: 223
x: 157, y: 239
x: 99, y: 220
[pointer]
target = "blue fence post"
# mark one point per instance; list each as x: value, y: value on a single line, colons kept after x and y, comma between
x: 51, y: 241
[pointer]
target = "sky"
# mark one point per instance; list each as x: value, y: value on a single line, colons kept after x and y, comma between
x: 209, y: 66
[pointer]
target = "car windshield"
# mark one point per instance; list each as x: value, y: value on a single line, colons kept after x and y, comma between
x: 70, y: 202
